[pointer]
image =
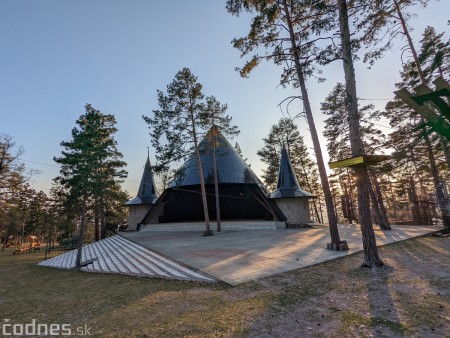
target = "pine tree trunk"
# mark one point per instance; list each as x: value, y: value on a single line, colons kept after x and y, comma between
x: 202, y: 180
x: 445, y: 149
x: 335, y: 206
x: 384, y: 219
x: 103, y: 223
x: 376, y: 207
x: 5, y: 241
x: 437, y: 184
x: 371, y: 258
x: 96, y: 226
x: 316, y: 211
x: 410, y: 42
x: 352, y: 204
x: 332, y: 220
x: 216, y: 186
x: 321, y: 213
x: 348, y: 204
x: 97, y: 229
x: 416, y: 169
x: 433, y: 167
x: 393, y: 199
x: 308, y: 184
x: 417, y: 217
x: 81, y: 234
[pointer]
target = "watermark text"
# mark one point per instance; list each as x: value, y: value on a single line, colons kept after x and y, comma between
x: 42, y: 329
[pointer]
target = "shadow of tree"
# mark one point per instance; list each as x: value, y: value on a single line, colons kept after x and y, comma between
x: 384, y: 316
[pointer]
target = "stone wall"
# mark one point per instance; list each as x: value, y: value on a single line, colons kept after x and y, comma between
x: 296, y: 211
x: 136, y: 214
x: 157, y: 214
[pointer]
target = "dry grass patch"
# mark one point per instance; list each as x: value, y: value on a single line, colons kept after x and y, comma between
x: 408, y: 297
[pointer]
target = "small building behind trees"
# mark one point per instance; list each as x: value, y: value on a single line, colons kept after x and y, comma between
x: 145, y: 199
x: 290, y: 198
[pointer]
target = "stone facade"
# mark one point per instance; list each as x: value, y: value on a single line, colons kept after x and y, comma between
x: 136, y: 213
x: 296, y: 211
x: 157, y: 215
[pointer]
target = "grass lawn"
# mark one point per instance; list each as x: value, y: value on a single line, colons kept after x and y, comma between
x: 407, y: 297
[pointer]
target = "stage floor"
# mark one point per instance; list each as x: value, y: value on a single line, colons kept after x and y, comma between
x: 239, y: 256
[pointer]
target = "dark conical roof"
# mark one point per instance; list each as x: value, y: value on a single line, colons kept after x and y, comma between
x: 231, y: 167
x: 147, y: 193
x: 287, y: 185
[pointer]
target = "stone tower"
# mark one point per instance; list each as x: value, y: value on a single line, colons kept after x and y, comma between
x: 290, y: 198
x: 145, y: 199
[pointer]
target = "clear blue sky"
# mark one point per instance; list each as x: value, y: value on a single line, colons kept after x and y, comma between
x: 56, y: 56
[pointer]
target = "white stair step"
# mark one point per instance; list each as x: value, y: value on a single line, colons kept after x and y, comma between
x: 175, y: 267
x: 119, y: 255
x: 112, y: 267
x: 144, y: 261
x: 125, y: 265
x: 169, y: 265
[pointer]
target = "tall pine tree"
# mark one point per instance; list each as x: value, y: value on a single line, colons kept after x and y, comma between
x: 371, y: 257
x: 338, y: 145
x: 90, y: 166
x: 176, y: 126
x: 287, y: 33
x: 216, y: 120
x: 287, y: 133
x: 419, y: 151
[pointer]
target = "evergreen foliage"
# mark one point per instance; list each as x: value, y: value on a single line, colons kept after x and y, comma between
x: 287, y: 33
x: 434, y: 54
x: 16, y: 196
x: 371, y: 258
x: 287, y: 133
x: 337, y: 129
x: 91, y: 168
x: 338, y: 145
x: 216, y: 120
x: 176, y: 127
x: 408, y: 137
x: 420, y: 152
x: 181, y: 115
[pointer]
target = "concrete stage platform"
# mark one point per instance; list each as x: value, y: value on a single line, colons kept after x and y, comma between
x: 226, y: 226
x: 239, y: 256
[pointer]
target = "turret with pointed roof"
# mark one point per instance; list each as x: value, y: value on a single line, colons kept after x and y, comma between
x: 147, y: 193
x: 287, y: 185
x: 290, y: 198
x: 145, y: 199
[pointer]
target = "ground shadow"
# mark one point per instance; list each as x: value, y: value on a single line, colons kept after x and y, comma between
x: 384, y: 316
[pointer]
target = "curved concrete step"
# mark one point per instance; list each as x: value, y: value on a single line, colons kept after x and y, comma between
x: 119, y: 255
x: 175, y: 269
